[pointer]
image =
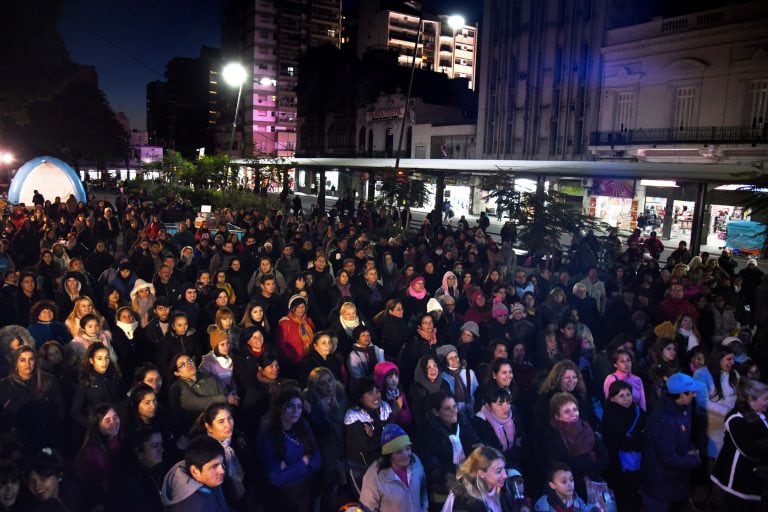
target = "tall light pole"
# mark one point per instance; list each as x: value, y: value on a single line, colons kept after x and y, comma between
x: 234, y: 74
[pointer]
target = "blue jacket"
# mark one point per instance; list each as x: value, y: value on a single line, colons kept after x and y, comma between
x: 295, y: 471
x: 666, y: 464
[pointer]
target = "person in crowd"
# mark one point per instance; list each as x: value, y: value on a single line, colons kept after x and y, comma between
x: 51, y: 488
x: 396, y: 482
x: 10, y: 485
x: 624, y: 424
x: 44, y: 325
x: 564, y: 377
x: 443, y: 444
x: 426, y: 382
x: 135, y: 485
x: 32, y: 401
x: 669, y: 455
x: 216, y: 421
x: 364, y: 355
x: 99, y: 383
x: 461, y: 380
x: 392, y: 328
x: 90, y: 332
x: 143, y: 410
x: 561, y: 491
x: 193, y: 391
x: 744, y: 449
x: 327, y: 406
x: 82, y: 306
x: 387, y: 378
x: 294, y: 335
x: 323, y: 354
x: 423, y: 343
x: 717, y: 395
x: 498, y: 426
x: 218, y: 363
x: 195, y: 483
x: 289, y: 454
x: 568, y: 438
x: 363, y: 424
x: 128, y: 343
x: 142, y: 298
x: 100, y: 455
x: 623, y: 360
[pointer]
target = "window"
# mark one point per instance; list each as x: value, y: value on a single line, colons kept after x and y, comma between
x: 758, y: 91
x: 421, y: 152
x: 331, y: 33
x: 625, y: 105
x: 291, y: 70
x: 685, y: 101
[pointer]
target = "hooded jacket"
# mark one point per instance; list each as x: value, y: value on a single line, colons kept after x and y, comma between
x: 182, y: 493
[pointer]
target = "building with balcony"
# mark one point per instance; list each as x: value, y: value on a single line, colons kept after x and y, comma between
x: 441, y: 48
x: 692, y: 88
x: 268, y: 36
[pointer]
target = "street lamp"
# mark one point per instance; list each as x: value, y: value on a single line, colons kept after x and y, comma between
x: 234, y: 74
x: 6, y: 159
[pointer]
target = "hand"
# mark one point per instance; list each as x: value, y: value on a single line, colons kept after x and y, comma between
x: 306, y: 460
x: 368, y: 429
x: 233, y: 399
x: 283, y: 465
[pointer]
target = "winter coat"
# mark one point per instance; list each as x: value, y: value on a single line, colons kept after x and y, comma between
x: 666, y: 465
x: 314, y: 360
x: 383, y: 491
x: 34, y: 418
x: 435, y: 450
x: 400, y: 414
x: 716, y: 410
x: 290, y: 470
x: 409, y: 357
x: 182, y: 493
x: 617, y: 421
x: 549, y: 502
x: 590, y: 465
x: 103, y: 388
x: 188, y: 399
x: 734, y: 469
x: 363, y: 449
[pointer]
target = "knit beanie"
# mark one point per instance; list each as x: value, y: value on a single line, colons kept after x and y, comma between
x: 393, y: 437
x: 216, y: 336
x: 499, y: 310
x: 517, y: 307
x: 443, y: 351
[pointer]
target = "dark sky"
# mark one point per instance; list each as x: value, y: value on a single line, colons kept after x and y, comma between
x: 130, y: 42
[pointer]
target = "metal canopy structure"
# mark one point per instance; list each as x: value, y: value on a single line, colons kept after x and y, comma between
x: 679, y: 171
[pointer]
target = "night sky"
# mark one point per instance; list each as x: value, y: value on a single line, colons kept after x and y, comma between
x: 129, y: 43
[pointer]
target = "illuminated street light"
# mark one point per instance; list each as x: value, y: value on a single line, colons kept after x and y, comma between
x: 455, y: 22
x: 235, y: 74
x: 6, y: 158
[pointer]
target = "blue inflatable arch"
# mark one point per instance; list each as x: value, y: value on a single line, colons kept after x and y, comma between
x: 51, y: 176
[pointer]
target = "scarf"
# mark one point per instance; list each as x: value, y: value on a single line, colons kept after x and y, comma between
x: 392, y: 394
x: 459, y: 388
x: 453, y: 291
x: 128, y: 329
x: 693, y: 340
x: 349, y: 325
x: 457, y: 448
x: 504, y: 429
x: 253, y: 352
x: 92, y: 339
x: 234, y: 469
x: 420, y: 376
x: 364, y: 357
x: 224, y: 362
x: 344, y: 290
x: 429, y: 338
x: 416, y: 295
x: 577, y: 436
x: 145, y: 305
x: 305, y: 330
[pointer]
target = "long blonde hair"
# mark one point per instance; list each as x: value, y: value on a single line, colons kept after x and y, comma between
x: 73, y: 321
x: 552, y: 381
x: 467, y: 475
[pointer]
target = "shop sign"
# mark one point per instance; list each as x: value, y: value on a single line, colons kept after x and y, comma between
x: 571, y: 189
x: 386, y: 113
x: 614, y: 188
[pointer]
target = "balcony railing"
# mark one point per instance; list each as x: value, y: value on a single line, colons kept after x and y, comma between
x: 701, y: 135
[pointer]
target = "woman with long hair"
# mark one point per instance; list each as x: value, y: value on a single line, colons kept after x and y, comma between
x: 289, y: 454
x: 393, y: 329
x: 100, y: 454
x: 83, y: 306
x: 720, y: 383
x: 426, y: 382
x: 623, y: 361
x: 142, y: 299
x: 480, y: 484
x: 563, y: 377
x: 344, y: 324
x: 217, y: 422
x: 99, y: 383
x: 225, y: 321
x: 327, y: 406
x: 143, y: 410
x: 254, y: 316
x: 32, y: 401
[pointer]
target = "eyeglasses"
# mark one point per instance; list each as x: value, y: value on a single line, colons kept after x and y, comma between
x: 188, y: 362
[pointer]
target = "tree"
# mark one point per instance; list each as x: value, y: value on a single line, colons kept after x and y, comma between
x: 401, y: 189
x: 544, y: 216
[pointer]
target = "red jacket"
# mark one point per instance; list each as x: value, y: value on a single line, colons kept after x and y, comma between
x: 289, y: 338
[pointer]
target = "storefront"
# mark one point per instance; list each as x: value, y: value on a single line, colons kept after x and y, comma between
x: 613, y: 202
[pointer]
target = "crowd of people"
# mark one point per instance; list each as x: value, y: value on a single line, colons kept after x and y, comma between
x: 308, y: 363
